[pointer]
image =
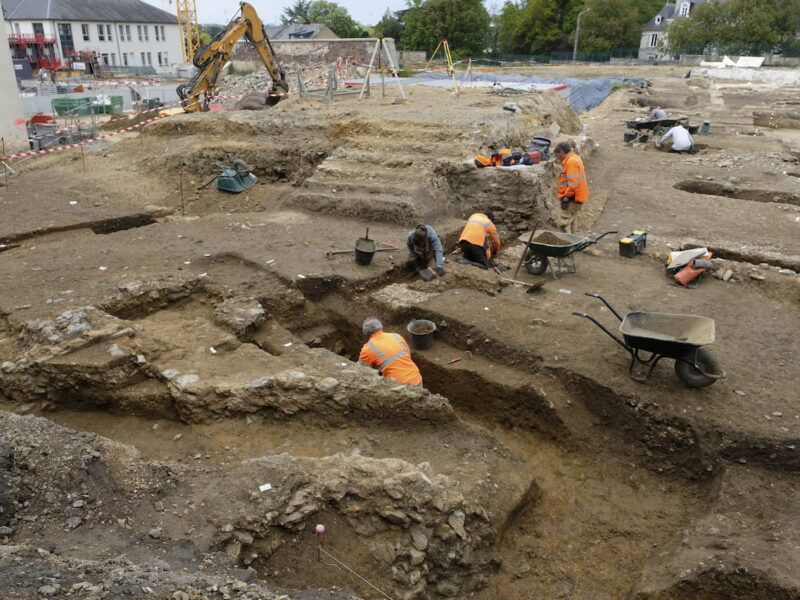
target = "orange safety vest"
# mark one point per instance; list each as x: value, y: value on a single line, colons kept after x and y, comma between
x: 390, y: 355
x: 480, y: 231
x: 572, y: 179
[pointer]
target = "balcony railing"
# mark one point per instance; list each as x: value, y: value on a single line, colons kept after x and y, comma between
x: 30, y: 38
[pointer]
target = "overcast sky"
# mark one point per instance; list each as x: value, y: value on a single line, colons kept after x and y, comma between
x: 366, y: 12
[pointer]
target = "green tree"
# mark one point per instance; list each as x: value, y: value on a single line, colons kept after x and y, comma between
x: 296, y: 13
x: 533, y: 26
x: 390, y: 25
x: 610, y: 24
x: 735, y: 27
x: 463, y: 23
x: 335, y: 17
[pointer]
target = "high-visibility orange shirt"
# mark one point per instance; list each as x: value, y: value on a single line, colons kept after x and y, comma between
x: 480, y: 231
x: 390, y: 355
x: 572, y: 182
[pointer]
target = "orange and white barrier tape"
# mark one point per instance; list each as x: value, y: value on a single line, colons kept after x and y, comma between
x: 81, y: 143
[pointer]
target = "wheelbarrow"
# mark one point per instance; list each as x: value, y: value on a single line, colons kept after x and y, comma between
x: 665, y: 335
x: 537, y: 254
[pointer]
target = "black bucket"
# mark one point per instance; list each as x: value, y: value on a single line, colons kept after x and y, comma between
x: 365, y: 250
x: 629, y: 136
x: 421, y: 331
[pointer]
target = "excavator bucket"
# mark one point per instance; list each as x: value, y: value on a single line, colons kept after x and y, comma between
x: 230, y: 181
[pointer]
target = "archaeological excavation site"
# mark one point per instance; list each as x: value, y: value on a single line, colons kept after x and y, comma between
x: 184, y: 414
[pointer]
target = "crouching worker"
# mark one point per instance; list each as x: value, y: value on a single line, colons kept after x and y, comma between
x: 425, y: 248
x: 479, y: 239
x: 388, y: 353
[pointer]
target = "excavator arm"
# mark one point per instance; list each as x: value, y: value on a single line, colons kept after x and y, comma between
x: 212, y: 58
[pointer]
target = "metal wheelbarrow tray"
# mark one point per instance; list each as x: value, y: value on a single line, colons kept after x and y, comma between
x: 537, y: 255
x: 666, y: 335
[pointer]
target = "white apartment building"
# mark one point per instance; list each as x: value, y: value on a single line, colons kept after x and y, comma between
x: 118, y: 34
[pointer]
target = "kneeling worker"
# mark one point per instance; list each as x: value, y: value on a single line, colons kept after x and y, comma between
x: 388, y: 353
x: 682, y: 141
x: 425, y: 248
x: 573, y: 189
x: 479, y: 239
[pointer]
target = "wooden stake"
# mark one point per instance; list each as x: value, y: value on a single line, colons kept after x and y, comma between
x: 83, y: 160
x: 183, y: 206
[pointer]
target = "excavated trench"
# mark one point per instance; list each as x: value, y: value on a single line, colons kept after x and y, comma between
x: 626, y: 468
x: 711, y: 188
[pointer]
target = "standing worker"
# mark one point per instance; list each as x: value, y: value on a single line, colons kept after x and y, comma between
x: 573, y: 189
x: 388, y: 353
x: 682, y: 141
x: 479, y: 239
x: 425, y: 248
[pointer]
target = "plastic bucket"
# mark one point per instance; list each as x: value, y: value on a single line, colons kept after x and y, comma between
x: 365, y: 250
x: 706, y: 127
x: 421, y: 331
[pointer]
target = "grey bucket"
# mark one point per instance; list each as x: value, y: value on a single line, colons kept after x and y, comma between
x: 421, y: 341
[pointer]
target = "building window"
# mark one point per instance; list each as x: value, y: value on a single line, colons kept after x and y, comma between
x: 85, y: 31
x: 166, y: 60
x: 684, y: 9
x: 128, y: 32
x: 658, y: 19
x: 114, y: 59
x: 139, y: 33
x: 38, y: 29
x: 150, y: 59
x: 65, y: 35
x: 158, y: 33
x: 108, y: 32
x: 653, y: 40
x: 124, y: 59
x: 163, y: 34
x: 101, y: 33
x: 146, y: 38
x: 104, y: 58
x: 141, y: 55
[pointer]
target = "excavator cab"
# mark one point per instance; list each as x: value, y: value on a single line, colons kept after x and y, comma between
x: 211, y: 58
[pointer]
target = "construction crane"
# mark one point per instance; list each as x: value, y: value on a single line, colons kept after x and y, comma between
x: 212, y: 58
x: 188, y: 28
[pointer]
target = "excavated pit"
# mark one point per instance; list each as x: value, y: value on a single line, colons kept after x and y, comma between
x: 711, y: 188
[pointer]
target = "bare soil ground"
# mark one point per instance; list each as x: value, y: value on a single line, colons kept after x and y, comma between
x: 166, y: 351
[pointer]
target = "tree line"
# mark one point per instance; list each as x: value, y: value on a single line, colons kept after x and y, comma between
x: 539, y: 27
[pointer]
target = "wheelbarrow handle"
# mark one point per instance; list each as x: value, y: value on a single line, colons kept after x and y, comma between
x: 605, y: 234
x: 603, y: 327
x: 611, y: 308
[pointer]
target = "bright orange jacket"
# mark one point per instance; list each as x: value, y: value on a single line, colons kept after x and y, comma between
x: 480, y: 231
x: 572, y: 180
x: 497, y: 157
x: 390, y: 355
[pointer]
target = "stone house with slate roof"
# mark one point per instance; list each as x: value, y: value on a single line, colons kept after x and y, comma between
x: 654, y: 32
x: 130, y: 35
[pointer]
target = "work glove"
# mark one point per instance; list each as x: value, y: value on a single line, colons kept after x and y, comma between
x: 564, y: 204
x: 440, y: 270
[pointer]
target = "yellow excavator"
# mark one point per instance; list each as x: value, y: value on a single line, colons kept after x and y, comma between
x: 211, y: 58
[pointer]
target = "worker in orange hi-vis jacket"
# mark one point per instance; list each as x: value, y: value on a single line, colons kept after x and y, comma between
x: 479, y: 239
x: 573, y: 189
x: 388, y: 353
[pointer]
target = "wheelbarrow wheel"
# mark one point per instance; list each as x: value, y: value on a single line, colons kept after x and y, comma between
x: 695, y: 378
x: 534, y: 263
